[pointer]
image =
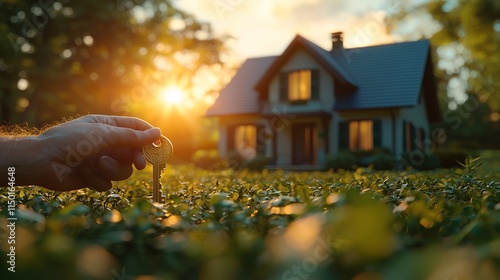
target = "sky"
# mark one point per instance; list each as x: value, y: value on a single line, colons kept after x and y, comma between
x: 266, y: 27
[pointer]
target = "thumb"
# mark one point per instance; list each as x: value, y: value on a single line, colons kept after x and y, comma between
x: 131, y: 138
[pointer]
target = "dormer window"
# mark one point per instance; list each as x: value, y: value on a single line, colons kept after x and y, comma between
x: 299, y: 86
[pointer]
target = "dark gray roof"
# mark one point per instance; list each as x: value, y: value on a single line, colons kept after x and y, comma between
x: 239, y: 96
x: 327, y: 56
x: 386, y: 75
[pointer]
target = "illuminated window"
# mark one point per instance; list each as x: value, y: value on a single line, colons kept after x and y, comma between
x: 361, y: 135
x: 246, y: 140
x: 299, y: 85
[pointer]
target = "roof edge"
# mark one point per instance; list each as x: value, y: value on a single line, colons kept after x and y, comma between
x: 297, y: 42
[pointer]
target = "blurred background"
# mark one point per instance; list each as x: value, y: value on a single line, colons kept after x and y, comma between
x: 165, y: 60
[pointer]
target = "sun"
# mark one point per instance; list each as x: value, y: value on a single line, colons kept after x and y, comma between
x: 173, y: 96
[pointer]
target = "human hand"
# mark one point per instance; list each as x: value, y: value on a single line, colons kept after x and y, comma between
x: 90, y: 152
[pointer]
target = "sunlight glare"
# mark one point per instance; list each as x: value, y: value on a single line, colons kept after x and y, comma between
x: 173, y: 96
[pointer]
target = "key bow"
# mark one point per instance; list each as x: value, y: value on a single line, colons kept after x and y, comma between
x: 158, y: 154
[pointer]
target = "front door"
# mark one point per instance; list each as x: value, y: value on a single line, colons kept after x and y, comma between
x: 304, y: 144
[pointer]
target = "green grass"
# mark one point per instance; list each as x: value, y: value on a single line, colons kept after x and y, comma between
x: 271, y: 225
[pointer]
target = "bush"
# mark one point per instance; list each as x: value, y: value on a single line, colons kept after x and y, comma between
x: 342, y: 160
x: 420, y: 160
x: 369, y: 153
x: 365, y: 157
x: 207, y: 159
x: 235, y: 160
x: 451, y: 158
x: 384, y: 162
x: 460, y: 145
x: 258, y: 163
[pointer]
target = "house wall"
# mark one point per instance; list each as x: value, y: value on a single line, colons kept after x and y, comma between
x: 417, y: 115
x: 301, y: 60
x: 283, y: 115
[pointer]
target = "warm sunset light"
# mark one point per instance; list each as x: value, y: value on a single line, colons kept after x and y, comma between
x: 173, y: 97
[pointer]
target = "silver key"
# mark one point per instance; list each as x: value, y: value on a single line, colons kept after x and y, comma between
x: 158, y: 155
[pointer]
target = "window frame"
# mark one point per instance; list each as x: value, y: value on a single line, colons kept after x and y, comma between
x: 232, y: 139
x: 344, y: 135
x: 297, y: 89
x: 359, y: 134
x: 285, y: 88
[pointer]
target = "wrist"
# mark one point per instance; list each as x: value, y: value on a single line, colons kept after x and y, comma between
x: 25, y: 154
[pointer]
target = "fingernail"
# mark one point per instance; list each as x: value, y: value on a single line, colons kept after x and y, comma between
x: 153, y: 131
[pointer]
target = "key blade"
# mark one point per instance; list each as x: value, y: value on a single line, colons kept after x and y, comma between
x: 162, y: 169
x: 156, y: 182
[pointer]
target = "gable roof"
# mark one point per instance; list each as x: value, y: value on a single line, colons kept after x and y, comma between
x: 318, y: 53
x: 375, y: 77
x: 388, y: 75
x: 239, y: 96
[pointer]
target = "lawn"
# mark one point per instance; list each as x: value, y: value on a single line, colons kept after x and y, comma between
x: 264, y: 225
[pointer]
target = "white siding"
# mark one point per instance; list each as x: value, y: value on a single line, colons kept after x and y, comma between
x: 417, y: 116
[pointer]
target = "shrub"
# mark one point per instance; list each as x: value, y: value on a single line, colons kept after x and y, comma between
x: 342, y: 160
x: 258, y: 163
x: 384, y: 162
x: 465, y: 145
x: 207, y: 159
x: 420, y: 160
x: 365, y: 157
x: 235, y: 160
x: 368, y: 153
x: 450, y: 158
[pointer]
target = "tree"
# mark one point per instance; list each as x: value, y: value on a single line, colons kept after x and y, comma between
x: 467, y: 41
x: 469, y: 125
x: 97, y: 56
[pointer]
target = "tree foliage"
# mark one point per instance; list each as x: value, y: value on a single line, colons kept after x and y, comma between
x: 96, y: 56
x: 468, y: 41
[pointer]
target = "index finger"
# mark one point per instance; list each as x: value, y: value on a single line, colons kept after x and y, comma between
x: 120, y: 121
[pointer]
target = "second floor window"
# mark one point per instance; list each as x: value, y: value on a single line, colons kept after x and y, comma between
x: 299, y: 85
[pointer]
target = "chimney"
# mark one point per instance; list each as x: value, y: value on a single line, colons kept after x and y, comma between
x: 337, y: 40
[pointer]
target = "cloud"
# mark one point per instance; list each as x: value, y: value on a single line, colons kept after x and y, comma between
x: 263, y: 27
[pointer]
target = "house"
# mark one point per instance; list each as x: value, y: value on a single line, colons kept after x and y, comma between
x: 308, y: 102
